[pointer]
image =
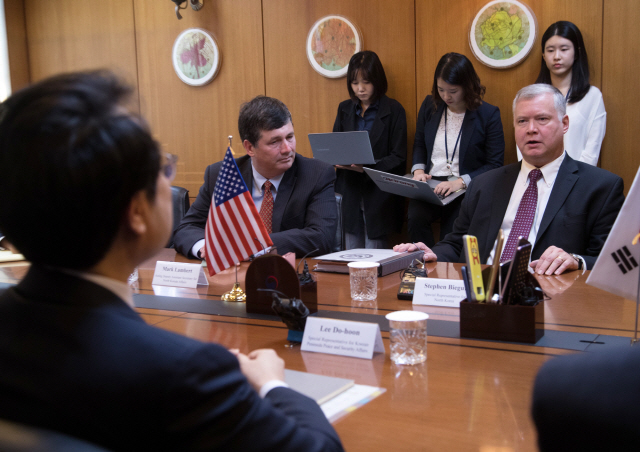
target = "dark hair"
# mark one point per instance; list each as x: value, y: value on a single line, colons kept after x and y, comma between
x: 580, y: 70
x: 73, y: 161
x: 261, y: 113
x: 456, y: 69
x: 370, y: 68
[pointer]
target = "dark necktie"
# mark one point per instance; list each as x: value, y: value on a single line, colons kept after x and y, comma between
x: 266, y: 209
x: 524, y: 216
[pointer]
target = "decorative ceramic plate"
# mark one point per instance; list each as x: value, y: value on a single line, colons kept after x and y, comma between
x: 503, y: 33
x: 196, y: 57
x: 331, y: 43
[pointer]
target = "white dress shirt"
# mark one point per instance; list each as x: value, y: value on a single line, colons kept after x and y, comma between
x: 257, y: 195
x: 439, y: 154
x: 545, y: 185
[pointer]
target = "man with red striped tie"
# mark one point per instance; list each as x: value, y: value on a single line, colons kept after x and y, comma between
x: 294, y: 194
x: 565, y: 208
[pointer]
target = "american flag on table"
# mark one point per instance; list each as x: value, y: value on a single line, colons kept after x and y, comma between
x: 233, y: 222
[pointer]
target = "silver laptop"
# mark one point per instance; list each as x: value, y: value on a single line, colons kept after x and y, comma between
x: 342, y: 148
x: 409, y: 188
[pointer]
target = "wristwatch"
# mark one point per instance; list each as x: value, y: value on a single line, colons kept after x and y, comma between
x: 464, y: 185
x: 579, y: 260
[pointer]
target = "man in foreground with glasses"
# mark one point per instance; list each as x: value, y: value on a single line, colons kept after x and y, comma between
x: 295, y: 195
x: 74, y: 355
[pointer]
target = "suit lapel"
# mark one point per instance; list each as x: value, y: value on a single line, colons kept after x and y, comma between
x: 284, y: 193
x: 349, y: 118
x: 499, y: 203
x: 468, y: 127
x: 378, y: 124
x: 246, y: 171
x: 430, y: 131
x: 565, y: 180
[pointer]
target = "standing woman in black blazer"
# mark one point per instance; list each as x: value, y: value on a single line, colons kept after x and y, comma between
x: 369, y: 214
x: 452, y: 147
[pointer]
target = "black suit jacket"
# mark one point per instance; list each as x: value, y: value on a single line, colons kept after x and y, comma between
x: 481, y: 143
x: 304, y: 212
x: 76, y: 359
x: 589, y: 402
x: 583, y: 205
x: 383, y: 211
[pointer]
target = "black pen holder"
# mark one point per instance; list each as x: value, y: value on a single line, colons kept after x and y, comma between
x: 499, y: 322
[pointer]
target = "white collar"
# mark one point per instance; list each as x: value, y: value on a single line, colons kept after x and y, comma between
x: 259, y: 179
x: 549, y: 171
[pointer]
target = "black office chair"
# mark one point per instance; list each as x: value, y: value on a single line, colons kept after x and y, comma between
x: 15, y: 437
x: 339, y: 240
x: 180, y: 207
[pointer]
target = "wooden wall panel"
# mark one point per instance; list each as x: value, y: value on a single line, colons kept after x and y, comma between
x: 194, y: 122
x: 68, y: 35
x: 134, y: 38
x: 17, y: 43
x: 387, y: 29
x: 621, y: 67
x: 440, y: 30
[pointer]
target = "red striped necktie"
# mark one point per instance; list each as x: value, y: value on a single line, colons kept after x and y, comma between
x: 266, y: 209
x: 524, y: 217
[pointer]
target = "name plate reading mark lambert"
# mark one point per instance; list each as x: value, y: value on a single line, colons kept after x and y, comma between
x: 179, y: 274
x: 439, y: 292
x: 342, y: 337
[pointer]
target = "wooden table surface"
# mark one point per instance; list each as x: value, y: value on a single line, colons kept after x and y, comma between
x: 469, y: 395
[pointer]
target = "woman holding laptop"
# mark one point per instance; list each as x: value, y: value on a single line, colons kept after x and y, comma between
x: 369, y: 214
x: 458, y: 136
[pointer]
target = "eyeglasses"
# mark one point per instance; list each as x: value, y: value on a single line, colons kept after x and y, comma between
x: 169, y: 167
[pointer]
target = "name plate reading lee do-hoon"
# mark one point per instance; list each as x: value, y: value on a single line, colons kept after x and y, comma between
x: 179, y: 274
x: 342, y: 337
x: 439, y: 292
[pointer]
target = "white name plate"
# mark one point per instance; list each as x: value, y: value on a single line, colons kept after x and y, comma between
x: 439, y: 292
x: 342, y: 337
x: 179, y: 274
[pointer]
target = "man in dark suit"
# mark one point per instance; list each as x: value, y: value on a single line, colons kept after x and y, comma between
x: 304, y: 207
x: 589, y: 402
x: 576, y: 206
x: 74, y: 355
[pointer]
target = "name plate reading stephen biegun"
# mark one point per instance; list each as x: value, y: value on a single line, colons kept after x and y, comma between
x: 342, y: 337
x: 178, y: 274
x: 439, y: 292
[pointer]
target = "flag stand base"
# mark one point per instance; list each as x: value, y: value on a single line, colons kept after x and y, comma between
x: 235, y: 294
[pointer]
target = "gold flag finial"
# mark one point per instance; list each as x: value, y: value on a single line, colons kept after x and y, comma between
x: 230, y: 139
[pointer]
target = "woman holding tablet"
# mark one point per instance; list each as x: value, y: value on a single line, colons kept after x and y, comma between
x: 458, y: 136
x: 369, y: 215
x: 565, y: 66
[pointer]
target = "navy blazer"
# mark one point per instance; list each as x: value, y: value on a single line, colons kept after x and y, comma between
x: 589, y: 402
x: 481, y: 144
x: 304, y: 218
x: 383, y: 211
x: 583, y: 205
x: 75, y: 358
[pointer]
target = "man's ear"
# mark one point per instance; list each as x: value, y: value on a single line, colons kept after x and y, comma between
x: 138, y: 213
x: 248, y: 147
x: 565, y: 124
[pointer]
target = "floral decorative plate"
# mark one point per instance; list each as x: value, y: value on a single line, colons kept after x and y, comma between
x: 331, y: 43
x: 196, y: 57
x: 503, y: 33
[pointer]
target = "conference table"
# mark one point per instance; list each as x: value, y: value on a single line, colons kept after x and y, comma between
x: 470, y: 394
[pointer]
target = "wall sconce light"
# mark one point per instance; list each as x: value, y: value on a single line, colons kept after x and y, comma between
x: 196, y: 5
